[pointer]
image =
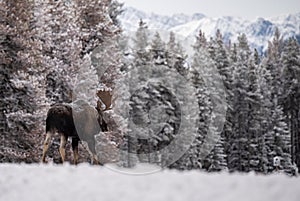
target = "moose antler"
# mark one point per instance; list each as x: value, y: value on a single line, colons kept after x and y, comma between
x: 105, y: 98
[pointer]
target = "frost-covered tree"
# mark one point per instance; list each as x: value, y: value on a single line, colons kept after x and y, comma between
x: 141, y: 45
x: 238, y: 157
x: 282, y: 141
x: 201, y: 41
x: 181, y: 63
x: 255, y: 133
x: 274, y: 65
x: 219, y: 54
x: 158, y: 50
x: 209, y: 92
x: 222, y: 60
x: 291, y: 96
x: 97, y: 22
x: 249, y: 142
x: 176, y: 56
x: 171, y: 48
x: 59, y: 36
x: 18, y: 82
x: 218, y: 159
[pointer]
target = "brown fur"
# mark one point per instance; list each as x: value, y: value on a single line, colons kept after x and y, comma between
x: 82, y: 122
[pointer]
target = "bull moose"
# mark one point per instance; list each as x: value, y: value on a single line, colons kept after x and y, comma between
x: 78, y: 121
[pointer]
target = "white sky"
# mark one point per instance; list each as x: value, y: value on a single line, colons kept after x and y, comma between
x: 248, y: 9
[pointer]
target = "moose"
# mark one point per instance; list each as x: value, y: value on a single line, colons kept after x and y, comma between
x: 78, y: 121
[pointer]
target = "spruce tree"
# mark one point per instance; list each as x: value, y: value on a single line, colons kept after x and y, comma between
x: 158, y: 50
x: 176, y: 56
x: 141, y: 43
x: 238, y: 158
x: 59, y: 36
x: 220, y: 56
x: 206, y: 150
x: 18, y: 103
x: 218, y: 158
x: 291, y: 98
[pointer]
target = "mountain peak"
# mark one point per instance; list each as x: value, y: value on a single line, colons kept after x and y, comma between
x: 258, y: 31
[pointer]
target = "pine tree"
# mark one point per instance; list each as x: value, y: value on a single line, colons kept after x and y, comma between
x: 17, y: 104
x: 141, y: 53
x: 97, y: 21
x: 218, y: 158
x: 181, y: 64
x: 238, y: 158
x: 255, y: 133
x: 219, y: 54
x: 211, y: 101
x: 264, y: 137
x: 176, y: 56
x: 59, y: 36
x: 274, y: 65
x: 158, y: 50
x: 171, y: 49
x: 282, y: 141
x: 291, y: 98
x: 201, y: 41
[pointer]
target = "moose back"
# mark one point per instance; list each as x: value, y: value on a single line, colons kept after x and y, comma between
x: 78, y: 121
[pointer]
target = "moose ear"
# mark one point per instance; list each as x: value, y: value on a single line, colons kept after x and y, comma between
x: 105, y: 98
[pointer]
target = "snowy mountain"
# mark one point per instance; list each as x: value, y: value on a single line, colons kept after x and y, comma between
x: 131, y: 16
x: 259, y: 31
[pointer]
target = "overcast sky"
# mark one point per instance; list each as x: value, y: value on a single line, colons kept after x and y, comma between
x: 248, y: 9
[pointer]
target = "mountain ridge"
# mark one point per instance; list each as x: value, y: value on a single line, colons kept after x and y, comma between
x: 258, y: 31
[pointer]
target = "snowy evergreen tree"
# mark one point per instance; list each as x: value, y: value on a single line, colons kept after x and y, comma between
x: 282, y: 141
x: 158, y: 50
x: 219, y: 54
x: 141, y: 45
x: 255, y: 133
x: 171, y: 49
x: 274, y: 65
x: 176, y: 56
x: 218, y: 158
x: 209, y: 93
x: 18, y: 82
x: 201, y: 41
x: 291, y: 96
x: 238, y: 158
x: 59, y: 34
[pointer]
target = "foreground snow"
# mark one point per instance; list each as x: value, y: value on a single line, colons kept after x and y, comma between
x: 85, y: 182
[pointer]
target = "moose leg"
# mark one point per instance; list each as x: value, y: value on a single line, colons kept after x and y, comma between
x: 75, y: 149
x: 62, y: 148
x: 94, y: 158
x: 89, y: 147
x: 92, y: 151
x: 46, y: 146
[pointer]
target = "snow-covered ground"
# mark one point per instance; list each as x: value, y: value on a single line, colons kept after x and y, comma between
x: 88, y: 183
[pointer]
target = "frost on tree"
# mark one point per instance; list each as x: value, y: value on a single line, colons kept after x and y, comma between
x: 18, y: 83
x: 210, y: 98
x: 291, y: 98
x: 153, y: 101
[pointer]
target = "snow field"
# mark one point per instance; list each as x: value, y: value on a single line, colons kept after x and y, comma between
x: 91, y: 183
